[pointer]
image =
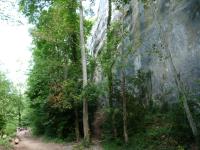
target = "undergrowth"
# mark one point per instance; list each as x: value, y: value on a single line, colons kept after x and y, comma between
x: 5, y: 144
x: 161, y: 131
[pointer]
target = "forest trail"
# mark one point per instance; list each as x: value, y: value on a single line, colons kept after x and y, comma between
x: 29, y: 143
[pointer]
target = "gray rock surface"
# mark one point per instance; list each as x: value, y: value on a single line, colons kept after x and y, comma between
x: 153, y: 28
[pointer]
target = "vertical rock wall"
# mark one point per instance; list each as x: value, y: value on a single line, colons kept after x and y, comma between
x: 153, y: 28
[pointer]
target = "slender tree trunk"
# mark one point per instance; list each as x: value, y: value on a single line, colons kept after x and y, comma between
x: 124, y: 101
x: 109, y: 14
x: 109, y: 73
x: 180, y: 86
x: 84, y: 70
x: 110, y: 98
x: 110, y: 88
x: 123, y: 84
x: 77, y: 124
x: 19, y: 111
x: 19, y: 116
x: 65, y: 68
x: 182, y: 94
x: 114, y: 124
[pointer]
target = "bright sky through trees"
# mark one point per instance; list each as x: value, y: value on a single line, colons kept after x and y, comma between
x: 15, y: 43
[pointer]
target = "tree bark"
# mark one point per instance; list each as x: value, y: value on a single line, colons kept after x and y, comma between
x: 19, y: 111
x: 109, y: 13
x: 84, y: 70
x: 123, y: 84
x: 180, y: 86
x: 19, y: 117
x: 109, y: 73
x: 77, y: 124
x: 182, y: 94
x: 124, y: 101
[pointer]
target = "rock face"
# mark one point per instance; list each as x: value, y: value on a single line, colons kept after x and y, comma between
x: 96, y: 40
x: 153, y: 29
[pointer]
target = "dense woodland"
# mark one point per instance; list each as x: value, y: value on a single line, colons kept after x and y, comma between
x: 63, y: 101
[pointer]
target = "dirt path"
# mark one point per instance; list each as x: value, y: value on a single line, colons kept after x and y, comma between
x: 36, y: 144
x: 29, y: 143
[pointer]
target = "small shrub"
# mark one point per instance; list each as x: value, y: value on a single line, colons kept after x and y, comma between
x: 180, y: 127
x: 2, y: 124
x: 5, y: 144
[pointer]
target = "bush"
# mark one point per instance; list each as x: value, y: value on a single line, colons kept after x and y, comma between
x: 2, y: 124
x: 10, y: 128
x: 180, y: 130
x: 154, y: 130
x: 136, y: 116
x: 5, y: 144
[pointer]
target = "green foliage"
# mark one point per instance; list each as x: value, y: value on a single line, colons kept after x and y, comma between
x: 9, y: 103
x: 110, y: 52
x: 5, y: 144
x: 180, y: 127
x: 167, y: 130
x: 55, y: 90
x: 55, y: 80
x: 91, y: 92
x: 154, y: 134
x: 2, y: 123
x: 135, y: 115
x: 92, y: 64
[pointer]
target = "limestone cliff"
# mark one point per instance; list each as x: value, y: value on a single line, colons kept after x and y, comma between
x: 153, y: 28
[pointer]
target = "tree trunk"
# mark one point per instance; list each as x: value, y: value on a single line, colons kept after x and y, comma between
x: 77, y: 124
x: 19, y: 116
x: 180, y: 86
x: 114, y: 124
x: 84, y: 70
x: 123, y: 84
x: 124, y: 101
x: 110, y: 98
x: 109, y: 73
x: 109, y: 14
x: 19, y: 111
x: 182, y: 94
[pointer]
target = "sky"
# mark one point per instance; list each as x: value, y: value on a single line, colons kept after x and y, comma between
x: 15, y: 44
